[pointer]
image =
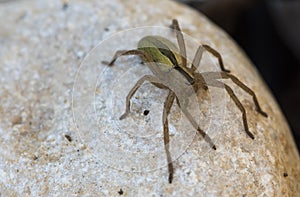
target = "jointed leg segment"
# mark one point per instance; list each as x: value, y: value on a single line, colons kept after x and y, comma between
x: 197, y: 58
x: 246, y: 89
x: 140, y: 53
x: 195, y: 125
x: 217, y: 55
x: 180, y: 41
x: 241, y: 107
x: 115, y: 57
x: 152, y: 79
x: 167, y: 107
x: 199, y: 52
x: 213, y: 81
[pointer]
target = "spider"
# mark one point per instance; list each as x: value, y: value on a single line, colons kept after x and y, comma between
x: 157, y: 50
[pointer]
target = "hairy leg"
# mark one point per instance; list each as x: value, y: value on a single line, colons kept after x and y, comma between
x: 195, y: 125
x: 241, y: 108
x: 246, y: 89
x: 217, y: 55
x: 180, y: 41
x: 115, y: 57
x: 153, y: 67
x: 167, y: 107
x: 197, y: 58
x: 150, y: 78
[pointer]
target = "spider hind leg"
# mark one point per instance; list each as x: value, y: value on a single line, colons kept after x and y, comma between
x: 241, y: 108
x: 195, y: 125
x: 167, y: 107
x: 246, y: 89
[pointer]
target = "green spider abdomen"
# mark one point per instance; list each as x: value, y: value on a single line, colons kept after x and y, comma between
x: 161, y: 50
x: 165, y: 54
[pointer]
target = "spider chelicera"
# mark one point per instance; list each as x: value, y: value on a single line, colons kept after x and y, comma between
x: 156, y: 51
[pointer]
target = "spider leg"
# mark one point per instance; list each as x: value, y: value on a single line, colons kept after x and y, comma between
x: 197, y: 58
x: 180, y: 41
x: 241, y: 108
x: 217, y: 55
x: 246, y: 89
x: 200, y: 82
x: 199, y: 52
x: 167, y: 107
x: 195, y: 125
x: 146, y: 58
x: 116, y: 56
x: 152, y: 79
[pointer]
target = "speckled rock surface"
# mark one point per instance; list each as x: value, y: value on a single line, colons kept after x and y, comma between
x: 46, y: 151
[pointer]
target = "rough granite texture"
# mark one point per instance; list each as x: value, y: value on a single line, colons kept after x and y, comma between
x: 46, y: 151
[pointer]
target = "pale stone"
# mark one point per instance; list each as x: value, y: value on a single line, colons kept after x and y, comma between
x: 44, y: 153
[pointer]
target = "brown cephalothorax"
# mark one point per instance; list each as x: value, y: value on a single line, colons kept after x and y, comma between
x: 161, y: 56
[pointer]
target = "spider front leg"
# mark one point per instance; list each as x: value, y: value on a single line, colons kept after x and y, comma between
x: 199, y: 53
x: 150, y: 78
x: 137, y: 52
x: 180, y: 40
x: 116, y: 56
x: 145, y: 57
x: 167, y: 107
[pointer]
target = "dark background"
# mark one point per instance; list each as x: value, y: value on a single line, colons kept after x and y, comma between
x: 269, y: 32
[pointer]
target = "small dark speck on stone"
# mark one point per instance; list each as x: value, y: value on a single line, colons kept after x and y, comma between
x: 285, y: 174
x: 146, y: 112
x: 106, y: 29
x: 120, y: 191
x: 68, y: 138
x: 65, y: 6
